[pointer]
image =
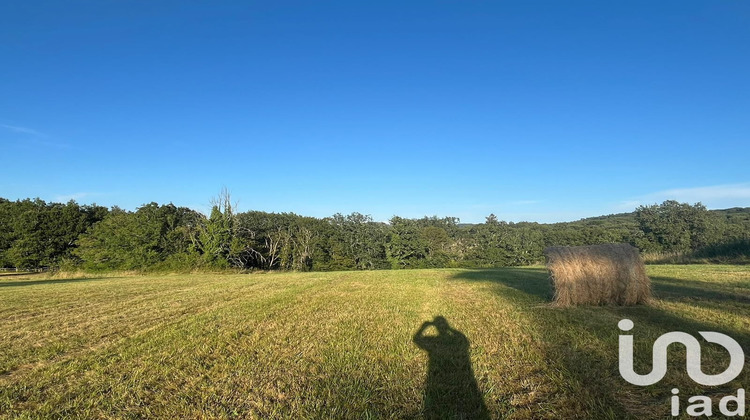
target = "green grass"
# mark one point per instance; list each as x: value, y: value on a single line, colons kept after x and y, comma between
x: 341, y: 345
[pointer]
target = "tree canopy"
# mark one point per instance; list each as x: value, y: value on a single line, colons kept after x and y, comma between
x: 34, y: 233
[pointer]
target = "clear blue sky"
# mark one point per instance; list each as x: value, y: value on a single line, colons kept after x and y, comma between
x: 533, y: 110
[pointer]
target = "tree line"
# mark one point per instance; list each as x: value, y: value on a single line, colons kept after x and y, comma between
x: 35, y: 234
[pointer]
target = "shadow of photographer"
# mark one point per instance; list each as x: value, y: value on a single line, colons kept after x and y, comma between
x: 451, y: 390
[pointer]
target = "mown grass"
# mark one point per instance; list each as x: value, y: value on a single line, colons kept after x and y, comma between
x: 341, y: 345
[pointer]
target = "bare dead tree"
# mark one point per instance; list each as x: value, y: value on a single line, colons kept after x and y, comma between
x: 273, y: 241
x: 302, y: 241
x: 224, y: 203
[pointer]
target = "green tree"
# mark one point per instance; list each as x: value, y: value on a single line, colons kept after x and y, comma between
x: 357, y: 242
x: 35, y: 233
x: 406, y: 247
x: 136, y: 240
x: 677, y: 227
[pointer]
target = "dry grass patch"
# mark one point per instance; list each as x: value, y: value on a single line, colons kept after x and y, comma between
x: 598, y: 275
x: 338, y: 345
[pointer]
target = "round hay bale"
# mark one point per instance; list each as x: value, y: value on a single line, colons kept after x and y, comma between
x: 597, y: 275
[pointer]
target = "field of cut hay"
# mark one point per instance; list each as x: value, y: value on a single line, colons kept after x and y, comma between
x: 381, y: 344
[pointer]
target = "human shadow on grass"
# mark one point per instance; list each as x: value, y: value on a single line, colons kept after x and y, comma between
x: 451, y: 390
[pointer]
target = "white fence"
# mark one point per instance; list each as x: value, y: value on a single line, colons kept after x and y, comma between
x: 24, y: 270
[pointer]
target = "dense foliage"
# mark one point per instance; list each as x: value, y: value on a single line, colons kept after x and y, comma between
x: 35, y: 234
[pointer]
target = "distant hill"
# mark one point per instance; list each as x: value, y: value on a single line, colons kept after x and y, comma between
x: 731, y: 214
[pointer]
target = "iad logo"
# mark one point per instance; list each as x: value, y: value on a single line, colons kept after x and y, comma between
x: 659, y: 367
x: 702, y: 404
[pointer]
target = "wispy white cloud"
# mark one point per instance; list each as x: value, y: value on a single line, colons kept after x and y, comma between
x: 729, y: 191
x: 715, y: 196
x: 23, y: 130
x: 628, y: 205
x: 30, y: 135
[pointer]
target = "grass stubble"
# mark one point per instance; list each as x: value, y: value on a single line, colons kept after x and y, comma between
x: 340, y: 344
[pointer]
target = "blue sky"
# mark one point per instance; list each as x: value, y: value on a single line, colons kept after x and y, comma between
x: 536, y: 110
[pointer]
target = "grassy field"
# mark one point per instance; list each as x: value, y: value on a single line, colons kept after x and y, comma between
x: 343, y: 345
